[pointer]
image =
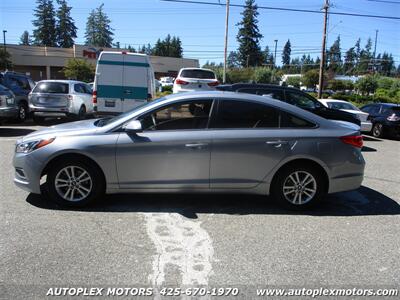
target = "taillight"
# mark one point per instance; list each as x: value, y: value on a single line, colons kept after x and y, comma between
x: 181, y: 82
x: 214, y: 83
x: 353, y: 140
x: 94, y: 97
x: 393, y: 117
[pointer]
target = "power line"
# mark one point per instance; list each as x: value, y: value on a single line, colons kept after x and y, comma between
x: 384, y: 1
x: 289, y: 9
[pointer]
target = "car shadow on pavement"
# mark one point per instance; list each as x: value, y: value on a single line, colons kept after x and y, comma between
x: 363, y: 201
x: 371, y: 139
x: 368, y: 149
x: 14, y: 132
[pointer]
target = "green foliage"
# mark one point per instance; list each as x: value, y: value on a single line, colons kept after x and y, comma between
x: 268, y: 57
x: 339, y: 85
x: 45, y: 24
x: 367, y: 84
x: 98, y: 29
x: 66, y: 29
x: 5, y: 59
x: 334, y: 56
x: 167, y: 89
x: 171, y: 47
x: 25, y: 39
x: 79, y: 69
x: 233, y: 60
x: 287, y: 50
x: 162, y: 94
x: 249, y: 36
x: 294, y: 81
x: 311, y: 78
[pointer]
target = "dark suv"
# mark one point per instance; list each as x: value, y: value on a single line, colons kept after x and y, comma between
x: 385, y: 119
x: 20, y: 85
x: 292, y: 96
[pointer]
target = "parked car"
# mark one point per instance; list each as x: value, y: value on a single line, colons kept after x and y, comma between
x: 60, y: 98
x: 292, y: 96
x: 167, y: 81
x: 385, y: 118
x: 123, y: 81
x: 7, y: 103
x: 259, y: 145
x: 195, y: 79
x: 20, y: 85
x: 366, y: 124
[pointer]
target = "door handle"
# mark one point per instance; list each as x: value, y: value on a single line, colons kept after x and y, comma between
x: 196, y: 145
x: 277, y: 143
x: 127, y: 92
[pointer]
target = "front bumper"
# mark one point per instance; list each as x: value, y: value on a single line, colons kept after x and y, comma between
x: 27, y: 172
x: 8, y: 112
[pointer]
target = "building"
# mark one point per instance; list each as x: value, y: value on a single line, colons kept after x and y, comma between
x: 47, y: 62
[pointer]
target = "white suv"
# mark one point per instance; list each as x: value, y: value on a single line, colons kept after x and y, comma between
x: 195, y: 79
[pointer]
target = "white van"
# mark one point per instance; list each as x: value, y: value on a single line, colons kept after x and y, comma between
x: 123, y: 81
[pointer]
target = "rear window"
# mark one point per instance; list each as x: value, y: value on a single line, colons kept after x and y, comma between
x: 201, y: 74
x: 52, y: 88
x: 341, y: 105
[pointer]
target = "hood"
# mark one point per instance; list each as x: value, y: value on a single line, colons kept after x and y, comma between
x: 67, y: 129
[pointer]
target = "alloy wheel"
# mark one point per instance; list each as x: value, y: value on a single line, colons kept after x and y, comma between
x: 299, y: 187
x: 73, y: 183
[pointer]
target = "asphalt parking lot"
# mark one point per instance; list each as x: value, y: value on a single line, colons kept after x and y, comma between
x: 351, y: 239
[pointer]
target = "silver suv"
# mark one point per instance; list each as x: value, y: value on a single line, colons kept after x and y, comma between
x: 60, y: 98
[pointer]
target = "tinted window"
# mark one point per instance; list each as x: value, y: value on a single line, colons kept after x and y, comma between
x: 341, y: 105
x: 388, y: 111
x: 291, y: 121
x: 366, y: 109
x: 79, y: 88
x: 20, y: 82
x: 374, y: 110
x: 201, y: 74
x: 88, y: 89
x: 301, y: 100
x: 243, y: 114
x: 52, y: 88
x: 179, y: 116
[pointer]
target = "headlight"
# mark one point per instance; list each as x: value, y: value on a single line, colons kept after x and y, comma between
x: 10, y: 101
x: 30, y: 146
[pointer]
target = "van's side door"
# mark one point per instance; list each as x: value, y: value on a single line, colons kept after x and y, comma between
x: 135, y: 81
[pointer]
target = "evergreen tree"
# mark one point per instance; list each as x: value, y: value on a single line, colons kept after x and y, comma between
x: 287, y: 50
x: 98, y: 30
x: 249, y: 52
x: 25, y: 39
x: 334, y: 57
x: 365, y: 58
x: 233, y: 60
x: 307, y: 63
x: 45, y: 33
x: 66, y: 29
x: 176, y: 45
x: 5, y: 59
x: 171, y: 47
x: 268, y: 57
x: 350, y: 61
x: 387, y: 65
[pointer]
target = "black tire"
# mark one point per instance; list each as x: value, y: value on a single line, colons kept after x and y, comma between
x: 96, y: 184
x: 82, y: 113
x: 38, y: 120
x: 22, y: 113
x: 283, y: 178
x: 377, y: 130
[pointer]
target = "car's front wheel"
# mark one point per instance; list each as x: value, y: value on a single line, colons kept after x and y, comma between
x: 377, y: 130
x: 22, y: 113
x: 299, y: 186
x: 74, y: 183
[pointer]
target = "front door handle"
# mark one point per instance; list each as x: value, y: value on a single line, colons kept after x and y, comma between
x: 196, y: 145
x: 128, y: 92
x: 276, y: 143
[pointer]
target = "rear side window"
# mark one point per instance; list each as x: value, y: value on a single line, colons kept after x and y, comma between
x: 52, y: 88
x: 200, y: 74
x: 20, y: 82
x: 79, y: 88
x: 242, y: 114
x: 300, y: 100
x: 290, y: 121
x: 387, y: 110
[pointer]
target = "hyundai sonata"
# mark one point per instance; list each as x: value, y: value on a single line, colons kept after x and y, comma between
x: 195, y: 142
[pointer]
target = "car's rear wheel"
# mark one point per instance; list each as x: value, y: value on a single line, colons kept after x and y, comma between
x: 299, y: 186
x: 82, y: 113
x: 74, y: 183
x: 22, y: 112
x: 377, y: 130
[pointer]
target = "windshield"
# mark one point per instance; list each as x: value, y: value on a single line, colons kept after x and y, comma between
x: 201, y: 74
x: 108, y: 120
x: 341, y: 105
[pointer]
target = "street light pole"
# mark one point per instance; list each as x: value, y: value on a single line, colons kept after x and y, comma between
x: 322, y: 62
x: 226, y: 41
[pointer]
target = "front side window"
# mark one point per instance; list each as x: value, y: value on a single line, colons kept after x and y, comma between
x: 188, y: 115
x: 341, y: 105
x: 243, y: 114
x: 300, y: 100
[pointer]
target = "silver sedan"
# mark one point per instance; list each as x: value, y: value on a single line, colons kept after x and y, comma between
x: 195, y: 142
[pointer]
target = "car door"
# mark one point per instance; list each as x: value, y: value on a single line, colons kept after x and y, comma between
x: 172, y: 151
x: 246, y: 144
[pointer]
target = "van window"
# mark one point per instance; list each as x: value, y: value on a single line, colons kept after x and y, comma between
x: 201, y: 74
x: 79, y: 88
x: 52, y: 88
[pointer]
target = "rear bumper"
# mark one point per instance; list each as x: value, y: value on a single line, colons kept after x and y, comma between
x: 50, y: 111
x: 345, y: 183
x: 8, y: 112
x: 366, y: 126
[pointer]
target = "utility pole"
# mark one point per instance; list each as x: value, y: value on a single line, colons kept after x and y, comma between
x: 4, y: 39
x: 376, y: 40
x: 276, y: 44
x: 226, y: 40
x: 323, y: 52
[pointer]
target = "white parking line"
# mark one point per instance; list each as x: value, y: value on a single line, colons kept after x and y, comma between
x: 179, y: 242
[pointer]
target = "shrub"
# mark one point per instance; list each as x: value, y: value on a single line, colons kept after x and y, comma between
x: 167, y: 88
x: 367, y: 84
x: 79, y: 69
x: 294, y: 81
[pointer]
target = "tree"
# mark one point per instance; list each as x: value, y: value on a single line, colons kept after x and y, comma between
x: 5, y: 59
x: 365, y: 58
x: 249, y: 36
x: 25, y: 39
x: 307, y: 63
x: 350, y: 60
x: 66, y: 29
x: 310, y: 78
x: 233, y: 60
x: 386, y: 64
x: 294, y: 81
x: 334, y: 56
x: 287, y: 50
x: 79, y: 69
x: 367, y: 84
x: 170, y: 46
x: 98, y: 29
x: 176, y: 47
x: 268, y: 57
x: 45, y: 24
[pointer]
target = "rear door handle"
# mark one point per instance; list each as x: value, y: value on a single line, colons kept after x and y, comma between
x: 196, y: 145
x: 277, y: 143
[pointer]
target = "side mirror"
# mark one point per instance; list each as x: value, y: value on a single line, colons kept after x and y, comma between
x: 133, y: 126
